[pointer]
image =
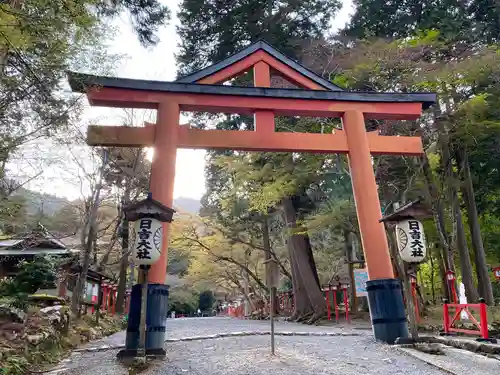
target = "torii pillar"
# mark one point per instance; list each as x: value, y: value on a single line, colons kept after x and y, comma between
x: 162, y: 178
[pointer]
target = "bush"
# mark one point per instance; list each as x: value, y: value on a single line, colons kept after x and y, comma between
x: 31, y: 276
x: 14, y: 365
x: 206, y: 301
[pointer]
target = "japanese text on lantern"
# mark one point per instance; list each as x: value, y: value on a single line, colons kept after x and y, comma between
x: 147, y: 246
x: 411, y: 240
x: 143, y: 244
x: 416, y: 239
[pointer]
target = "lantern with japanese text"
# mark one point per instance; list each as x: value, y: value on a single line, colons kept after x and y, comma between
x: 409, y: 229
x: 411, y: 240
x: 148, y: 216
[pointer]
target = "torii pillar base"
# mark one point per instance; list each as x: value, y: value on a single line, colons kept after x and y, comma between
x: 387, y: 310
x: 156, y: 319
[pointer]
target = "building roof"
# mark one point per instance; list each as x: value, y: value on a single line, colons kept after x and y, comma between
x: 38, y: 241
x: 412, y: 210
x: 82, y: 82
x: 260, y: 45
x: 151, y: 208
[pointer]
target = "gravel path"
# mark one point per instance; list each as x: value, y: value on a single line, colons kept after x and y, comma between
x: 459, y: 361
x: 352, y: 355
x: 299, y: 355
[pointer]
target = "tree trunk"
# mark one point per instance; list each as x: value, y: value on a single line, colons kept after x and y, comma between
x: 439, y: 215
x: 444, y: 279
x: 267, y: 254
x: 4, y: 48
x: 348, y: 249
x: 89, y: 244
x: 122, y: 280
x: 301, y: 251
x: 461, y: 241
x: 301, y: 302
x: 465, y: 263
x: 483, y: 278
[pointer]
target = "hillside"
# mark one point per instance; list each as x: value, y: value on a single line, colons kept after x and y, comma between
x: 188, y: 205
x: 50, y: 204
x: 36, y: 202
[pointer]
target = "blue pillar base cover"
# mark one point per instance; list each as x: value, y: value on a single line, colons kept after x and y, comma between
x: 387, y: 310
x: 156, y: 318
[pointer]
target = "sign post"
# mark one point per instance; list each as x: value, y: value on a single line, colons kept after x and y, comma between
x: 272, y: 280
x: 141, y: 350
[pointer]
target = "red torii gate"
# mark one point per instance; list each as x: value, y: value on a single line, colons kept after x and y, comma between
x: 203, y: 91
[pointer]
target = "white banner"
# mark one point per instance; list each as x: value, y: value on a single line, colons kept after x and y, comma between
x: 411, y: 240
x: 148, y: 239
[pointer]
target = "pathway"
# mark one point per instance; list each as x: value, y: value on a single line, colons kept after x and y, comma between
x: 351, y: 352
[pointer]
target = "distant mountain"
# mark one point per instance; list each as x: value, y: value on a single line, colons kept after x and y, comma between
x: 51, y: 204
x: 188, y: 205
x: 36, y: 202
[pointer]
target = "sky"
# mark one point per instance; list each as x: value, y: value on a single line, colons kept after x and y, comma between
x: 156, y: 63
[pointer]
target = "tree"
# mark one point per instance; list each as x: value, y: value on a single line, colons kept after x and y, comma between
x: 213, y: 30
x: 13, y: 215
x: 39, y: 42
x: 423, y: 62
x: 470, y: 21
x: 41, y: 272
x: 206, y: 300
x: 89, y: 234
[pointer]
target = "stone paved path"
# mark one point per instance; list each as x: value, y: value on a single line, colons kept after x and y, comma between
x: 297, y: 355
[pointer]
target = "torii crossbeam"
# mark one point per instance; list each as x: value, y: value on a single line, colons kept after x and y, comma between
x: 317, y: 97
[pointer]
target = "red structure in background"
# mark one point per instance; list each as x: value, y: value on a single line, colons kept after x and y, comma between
x: 482, y: 325
x: 496, y: 272
x: 109, y: 294
x: 333, y: 289
x: 413, y: 283
x: 286, y: 305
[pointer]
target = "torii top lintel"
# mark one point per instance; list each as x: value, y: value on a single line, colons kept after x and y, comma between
x: 204, y: 91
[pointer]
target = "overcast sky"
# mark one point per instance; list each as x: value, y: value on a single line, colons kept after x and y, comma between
x: 156, y: 63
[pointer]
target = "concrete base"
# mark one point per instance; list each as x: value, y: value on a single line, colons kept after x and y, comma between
x: 132, y: 353
x: 387, y: 311
x: 404, y: 341
x: 491, y: 341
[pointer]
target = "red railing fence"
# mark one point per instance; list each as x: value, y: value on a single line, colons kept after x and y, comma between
x: 481, y: 325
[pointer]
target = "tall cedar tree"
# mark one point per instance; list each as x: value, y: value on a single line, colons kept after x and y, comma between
x: 213, y: 30
x: 463, y: 26
x: 471, y: 21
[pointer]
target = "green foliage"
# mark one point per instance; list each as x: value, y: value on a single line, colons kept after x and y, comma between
x: 496, y: 291
x: 182, y: 301
x: 211, y: 30
x: 469, y: 21
x: 12, y: 215
x: 41, y: 272
x: 206, y: 301
x: 178, y: 261
x: 14, y: 365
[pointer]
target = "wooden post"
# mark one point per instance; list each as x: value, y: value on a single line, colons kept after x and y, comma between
x: 141, y: 350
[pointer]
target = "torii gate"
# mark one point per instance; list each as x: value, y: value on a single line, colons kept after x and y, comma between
x: 203, y: 91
